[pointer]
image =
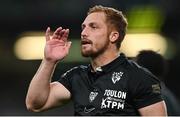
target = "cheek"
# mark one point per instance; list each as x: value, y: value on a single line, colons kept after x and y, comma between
x: 101, y: 42
x: 100, y: 38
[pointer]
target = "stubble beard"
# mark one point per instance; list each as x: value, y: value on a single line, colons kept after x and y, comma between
x: 86, y: 53
x: 94, y: 54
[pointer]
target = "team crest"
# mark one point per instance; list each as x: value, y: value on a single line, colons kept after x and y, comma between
x: 116, y: 76
x: 92, y: 96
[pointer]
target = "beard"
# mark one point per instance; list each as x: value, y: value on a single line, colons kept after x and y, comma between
x: 87, y: 53
x: 90, y: 52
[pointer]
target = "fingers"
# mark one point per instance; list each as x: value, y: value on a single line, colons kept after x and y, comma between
x: 65, y: 35
x: 48, y: 34
x: 60, y: 34
x: 57, y: 33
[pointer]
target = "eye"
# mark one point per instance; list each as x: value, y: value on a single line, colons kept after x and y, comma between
x: 94, y: 27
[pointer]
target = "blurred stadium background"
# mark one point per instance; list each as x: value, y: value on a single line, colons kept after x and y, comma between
x: 153, y: 24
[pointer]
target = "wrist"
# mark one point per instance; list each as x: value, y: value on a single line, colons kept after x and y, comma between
x: 49, y: 62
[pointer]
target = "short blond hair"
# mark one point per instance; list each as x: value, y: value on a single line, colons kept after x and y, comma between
x: 114, y: 18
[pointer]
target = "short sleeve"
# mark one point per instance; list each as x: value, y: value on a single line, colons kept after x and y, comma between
x: 66, y: 79
x: 146, y: 90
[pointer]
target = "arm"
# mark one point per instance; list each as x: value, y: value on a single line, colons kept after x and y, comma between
x: 42, y: 94
x: 157, y: 109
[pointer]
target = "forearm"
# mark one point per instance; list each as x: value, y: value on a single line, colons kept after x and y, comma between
x: 39, y: 88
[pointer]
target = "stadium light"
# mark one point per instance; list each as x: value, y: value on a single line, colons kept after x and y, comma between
x: 133, y: 43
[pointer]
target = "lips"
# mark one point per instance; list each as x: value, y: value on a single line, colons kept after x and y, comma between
x: 86, y: 41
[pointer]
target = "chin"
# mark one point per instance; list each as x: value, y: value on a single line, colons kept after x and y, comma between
x: 85, y: 54
x: 89, y: 54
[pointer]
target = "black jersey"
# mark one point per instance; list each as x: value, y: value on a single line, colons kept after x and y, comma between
x: 118, y: 88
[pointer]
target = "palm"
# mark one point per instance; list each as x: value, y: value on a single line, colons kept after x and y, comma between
x: 57, y: 47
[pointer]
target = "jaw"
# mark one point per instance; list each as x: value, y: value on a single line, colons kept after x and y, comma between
x: 89, y: 51
x: 86, y: 50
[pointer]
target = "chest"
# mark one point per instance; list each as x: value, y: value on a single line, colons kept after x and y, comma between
x: 101, y: 92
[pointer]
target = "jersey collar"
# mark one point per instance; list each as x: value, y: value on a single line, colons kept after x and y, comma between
x: 110, y: 66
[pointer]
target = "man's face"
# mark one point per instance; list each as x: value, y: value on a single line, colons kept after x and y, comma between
x: 94, y: 35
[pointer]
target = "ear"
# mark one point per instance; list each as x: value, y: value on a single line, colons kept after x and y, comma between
x: 114, y: 35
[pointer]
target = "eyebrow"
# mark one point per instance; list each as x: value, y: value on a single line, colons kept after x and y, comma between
x: 91, y: 23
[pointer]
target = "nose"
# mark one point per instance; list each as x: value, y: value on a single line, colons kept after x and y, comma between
x: 84, y: 33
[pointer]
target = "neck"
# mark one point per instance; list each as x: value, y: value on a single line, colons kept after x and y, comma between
x: 104, y: 59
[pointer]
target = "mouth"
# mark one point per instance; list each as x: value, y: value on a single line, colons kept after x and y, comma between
x: 85, y: 42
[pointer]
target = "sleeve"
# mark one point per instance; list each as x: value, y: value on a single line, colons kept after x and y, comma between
x: 146, y: 90
x: 66, y: 79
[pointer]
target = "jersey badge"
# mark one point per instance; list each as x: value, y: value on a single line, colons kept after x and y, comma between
x: 92, y: 96
x: 116, y: 76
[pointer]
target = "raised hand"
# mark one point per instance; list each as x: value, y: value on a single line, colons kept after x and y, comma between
x: 57, y: 46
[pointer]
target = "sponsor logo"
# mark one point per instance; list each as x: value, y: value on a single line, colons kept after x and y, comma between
x: 112, y: 103
x: 88, y: 110
x: 116, y: 76
x: 115, y: 94
x: 114, y: 99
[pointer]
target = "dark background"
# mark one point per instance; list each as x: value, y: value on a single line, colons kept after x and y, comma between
x: 18, y: 16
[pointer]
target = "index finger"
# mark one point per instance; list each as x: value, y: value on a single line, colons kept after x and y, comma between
x: 57, y: 32
x: 65, y: 35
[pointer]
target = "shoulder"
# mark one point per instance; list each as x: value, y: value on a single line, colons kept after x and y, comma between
x: 75, y: 70
x: 139, y: 71
x: 134, y: 72
x: 140, y: 76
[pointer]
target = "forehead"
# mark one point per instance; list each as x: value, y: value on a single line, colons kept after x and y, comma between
x: 97, y: 17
